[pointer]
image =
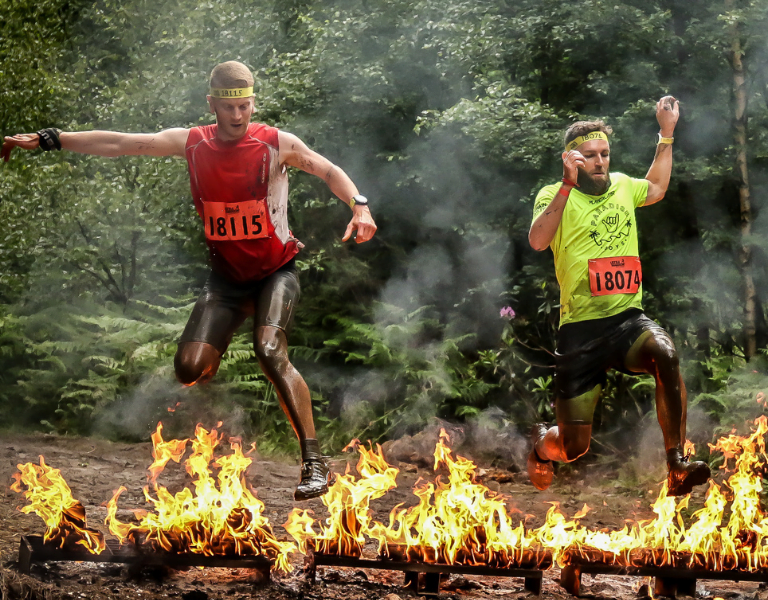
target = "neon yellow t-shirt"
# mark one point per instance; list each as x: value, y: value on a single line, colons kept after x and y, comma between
x: 594, y: 227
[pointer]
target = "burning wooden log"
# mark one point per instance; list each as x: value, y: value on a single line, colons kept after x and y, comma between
x: 513, y: 558
x: 674, y: 572
x: 50, y: 497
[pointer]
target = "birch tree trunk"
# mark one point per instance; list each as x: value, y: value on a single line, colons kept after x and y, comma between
x: 745, y: 206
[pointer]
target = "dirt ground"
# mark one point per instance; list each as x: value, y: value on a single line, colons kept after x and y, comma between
x: 94, y: 468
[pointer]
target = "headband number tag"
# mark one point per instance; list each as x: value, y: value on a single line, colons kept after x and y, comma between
x: 615, y: 275
x: 235, y: 220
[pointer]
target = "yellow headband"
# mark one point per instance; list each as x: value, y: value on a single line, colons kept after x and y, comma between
x: 593, y: 135
x: 232, y: 92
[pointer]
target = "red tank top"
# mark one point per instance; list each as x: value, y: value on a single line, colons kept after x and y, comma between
x: 241, y: 194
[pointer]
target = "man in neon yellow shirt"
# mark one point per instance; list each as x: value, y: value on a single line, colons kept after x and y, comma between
x: 589, y: 222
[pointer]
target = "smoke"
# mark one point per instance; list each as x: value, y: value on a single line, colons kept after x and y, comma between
x: 488, y: 437
x: 364, y: 395
x: 492, y: 435
x: 159, y: 398
x: 647, y: 463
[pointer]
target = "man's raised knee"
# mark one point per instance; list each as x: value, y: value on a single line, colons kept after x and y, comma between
x: 664, y: 353
x: 271, y: 348
x: 196, y: 362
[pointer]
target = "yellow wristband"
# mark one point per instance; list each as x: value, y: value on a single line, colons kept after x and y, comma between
x: 663, y: 140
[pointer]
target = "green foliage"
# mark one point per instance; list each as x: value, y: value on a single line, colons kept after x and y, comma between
x: 448, y: 115
x: 741, y: 397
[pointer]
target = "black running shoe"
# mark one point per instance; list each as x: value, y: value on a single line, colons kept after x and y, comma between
x: 684, y: 475
x: 315, y: 479
x: 316, y: 476
x: 541, y: 472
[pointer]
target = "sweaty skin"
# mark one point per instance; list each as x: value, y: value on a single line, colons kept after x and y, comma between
x: 198, y: 362
x: 271, y: 346
x: 653, y: 352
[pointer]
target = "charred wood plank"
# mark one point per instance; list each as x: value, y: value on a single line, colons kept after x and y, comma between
x: 432, y: 571
x: 33, y: 550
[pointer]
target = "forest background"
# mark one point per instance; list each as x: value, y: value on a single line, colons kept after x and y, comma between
x: 448, y: 114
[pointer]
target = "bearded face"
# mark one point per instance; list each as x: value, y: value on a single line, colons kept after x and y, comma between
x: 593, y: 177
x: 593, y: 185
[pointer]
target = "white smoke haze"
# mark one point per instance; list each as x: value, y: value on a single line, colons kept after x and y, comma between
x: 492, y: 435
x: 427, y: 267
x: 647, y: 463
x: 363, y: 395
x: 488, y: 438
x: 136, y: 414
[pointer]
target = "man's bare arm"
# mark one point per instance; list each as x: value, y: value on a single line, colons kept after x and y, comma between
x: 658, y: 176
x: 544, y: 228
x: 170, y: 142
x: 295, y: 153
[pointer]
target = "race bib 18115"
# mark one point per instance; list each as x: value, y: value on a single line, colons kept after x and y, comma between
x: 615, y: 275
x: 235, y: 220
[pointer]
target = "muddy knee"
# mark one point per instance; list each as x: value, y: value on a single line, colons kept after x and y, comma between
x: 656, y: 354
x: 271, y: 348
x: 196, y: 362
x: 667, y: 360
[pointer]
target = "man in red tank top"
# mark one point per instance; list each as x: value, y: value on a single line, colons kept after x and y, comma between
x: 239, y: 186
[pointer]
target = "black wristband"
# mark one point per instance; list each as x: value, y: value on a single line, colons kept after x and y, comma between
x: 49, y: 139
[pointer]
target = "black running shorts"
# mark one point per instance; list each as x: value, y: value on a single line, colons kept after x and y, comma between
x: 587, y: 349
x: 224, y: 305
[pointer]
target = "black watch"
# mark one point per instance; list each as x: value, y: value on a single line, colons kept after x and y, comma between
x: 361, y: 200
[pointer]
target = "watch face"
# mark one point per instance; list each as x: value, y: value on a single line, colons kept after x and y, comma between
x: 359, y: 200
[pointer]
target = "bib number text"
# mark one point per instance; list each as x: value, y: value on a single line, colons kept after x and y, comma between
x: 615, y: 275
x: 235, y: 220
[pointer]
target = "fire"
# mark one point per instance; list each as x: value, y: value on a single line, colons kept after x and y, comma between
x: 222, y: 516
x: 457, y: 520
x: 454, y: 519
x: 348, y: 501
x: 689, y: 449
x: 51, y: 499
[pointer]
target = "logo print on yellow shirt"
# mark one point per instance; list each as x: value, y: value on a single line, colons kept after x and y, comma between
x: 611, y: 227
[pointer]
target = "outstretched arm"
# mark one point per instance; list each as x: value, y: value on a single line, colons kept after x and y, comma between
x: 295, y: 153
x: 667, y: 113
x: 169, y: 142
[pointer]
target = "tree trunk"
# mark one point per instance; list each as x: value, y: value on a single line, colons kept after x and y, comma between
x: 740, y: 142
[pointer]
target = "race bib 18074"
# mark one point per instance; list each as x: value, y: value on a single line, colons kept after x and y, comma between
x: 235, y: 220
x: 615, y: 275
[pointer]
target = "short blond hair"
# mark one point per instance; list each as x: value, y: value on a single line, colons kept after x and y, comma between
x: 231, y: 74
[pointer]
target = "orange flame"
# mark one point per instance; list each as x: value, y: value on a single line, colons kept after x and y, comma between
x: 689, y: 448
x: 457, y: 520
x: 348, y: 501
x: 51, y: 499
x: 163, y: 451
x: 221, y: 517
